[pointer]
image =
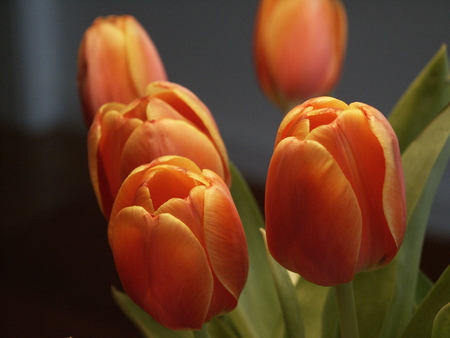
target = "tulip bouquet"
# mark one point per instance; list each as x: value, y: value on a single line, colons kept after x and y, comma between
x: 347, y: 197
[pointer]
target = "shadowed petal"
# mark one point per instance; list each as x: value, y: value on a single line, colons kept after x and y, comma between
x: 225, y: 237
x: 162, y: 266
x: 314, y: 224
x: 144, y: 64
x: 169, y: 137
x: 358, y: 152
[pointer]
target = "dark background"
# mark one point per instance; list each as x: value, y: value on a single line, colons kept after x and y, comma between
x: 56, y: 266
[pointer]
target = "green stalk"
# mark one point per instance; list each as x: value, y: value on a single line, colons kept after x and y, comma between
x: 347, y: 311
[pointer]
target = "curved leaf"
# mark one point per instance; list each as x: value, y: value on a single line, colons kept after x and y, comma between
x: 424, y: 162
x: 427, y: 95
x: 313, y: 299
x: 290, y: 309
x: 258, y: 312
x: 421, y: 324
x: 441, y: 325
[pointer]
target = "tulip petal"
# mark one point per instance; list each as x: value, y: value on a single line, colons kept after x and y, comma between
x: 184, y: 210
x: 394, y: 189
x: 225, y: 239
x: 107, y: 72
x: 360, y: 156
x: 115, y: 131
x: 314, y: 223
x: 310, y: 107
x: 162, y: 266
x: 166, y: 184
x: 192, y: 108
x: 126, y: 195
x: 107, y: 135
x: 158, y: 109
x: 145, y: 64
x: 169, y: 137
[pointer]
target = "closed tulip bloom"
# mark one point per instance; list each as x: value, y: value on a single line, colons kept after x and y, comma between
x: 178, y: 243
x: 117, y: 60
x: 335, y: 196
x: 299, y: 48
x: 170, y: 120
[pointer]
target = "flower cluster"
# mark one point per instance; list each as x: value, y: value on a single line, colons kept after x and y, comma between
x: 160, y: 173
x: 335, y: 196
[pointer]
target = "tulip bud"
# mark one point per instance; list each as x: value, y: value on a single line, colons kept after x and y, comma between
x: 178, y: 243
x: 299, y: 48
x: 335, y: 195
x: 170, y: 120
x: 117, y: 60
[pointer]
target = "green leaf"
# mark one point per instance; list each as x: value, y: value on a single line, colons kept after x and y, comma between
x: 441, y: 325
x: 421, y: 324
x: 374, y: 292
x: 145, y: 323
x: 293, y: 323
x: 220, y: 327
x: 330, y: 316
x: 424, y: 285
x: 258, y: 312
x: 427, y: 95
x: 312, y: 300
x: 423, y: 162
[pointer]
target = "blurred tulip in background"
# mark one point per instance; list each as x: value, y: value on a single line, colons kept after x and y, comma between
x: 116, y: 61
x: 178, y: 243
x: 335, y: 195
x: 299, y: 48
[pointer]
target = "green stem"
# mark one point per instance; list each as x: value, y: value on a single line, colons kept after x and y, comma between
x: 203, y: 333
x: 347, y: 311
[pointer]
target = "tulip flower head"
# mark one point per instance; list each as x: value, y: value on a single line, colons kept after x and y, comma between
x: 117, y: 60
x: 170, y: 120
x: 178, y: 243
x: 335, y: 196
x: 299, y: 48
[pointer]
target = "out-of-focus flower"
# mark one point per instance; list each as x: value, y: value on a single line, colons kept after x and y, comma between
x: 178, y: 243
x: 170, y: 120
x: 299, y: 48
x: 116, y: 61
x: 335, y: 196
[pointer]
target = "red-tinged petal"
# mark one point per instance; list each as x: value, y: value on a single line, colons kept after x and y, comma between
x: 93, y: 140
x: 358, y: 152
x: 162, y: 266
x: 184, y: 210
x: 158, y: 109
x: 310, y: 107
x: 126, y: 195
x: 108, y: 76
x: 305, y: 73
x: 169, y: 137
x: 145, y: 65
x: 394, y: 202
x: 314, y: 223
x: 225, y: 238
x: 193, y: 109
x: 115, y: 131
x: 178, y: 161
x: 166, y: 184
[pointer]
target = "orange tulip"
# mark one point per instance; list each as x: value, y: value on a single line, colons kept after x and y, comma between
x: 299, y: 48
x: 335, y: 195
x: 178, y: 243
x: 117, y: 60
x: 170, y: 120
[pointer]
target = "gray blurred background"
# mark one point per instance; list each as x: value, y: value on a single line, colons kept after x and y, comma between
x: 56, y: 264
